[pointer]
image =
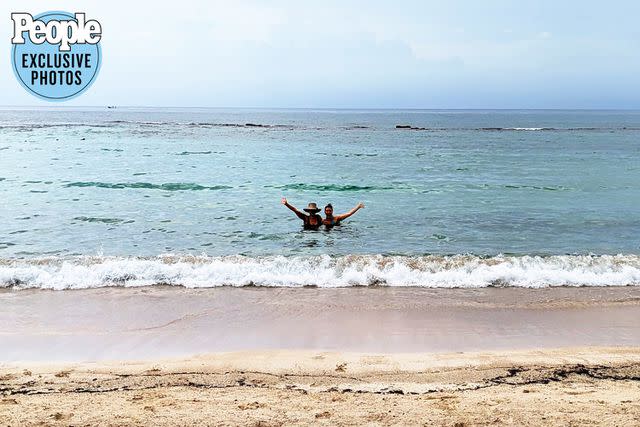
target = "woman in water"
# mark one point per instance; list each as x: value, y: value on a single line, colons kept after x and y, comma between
x: 310, y: 220
x: 332, y: 219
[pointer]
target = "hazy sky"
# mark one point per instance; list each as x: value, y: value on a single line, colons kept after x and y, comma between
x: 355, y: 54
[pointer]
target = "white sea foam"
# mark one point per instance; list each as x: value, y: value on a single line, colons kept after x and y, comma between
x: 458, y: 271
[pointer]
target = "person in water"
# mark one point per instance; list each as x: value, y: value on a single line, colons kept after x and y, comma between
x: 310, y: 220
x: 332, y: 219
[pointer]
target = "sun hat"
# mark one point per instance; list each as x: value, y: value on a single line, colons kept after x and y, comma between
x: 312, y: 208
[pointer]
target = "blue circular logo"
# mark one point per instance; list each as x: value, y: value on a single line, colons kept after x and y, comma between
x: 53, y: 74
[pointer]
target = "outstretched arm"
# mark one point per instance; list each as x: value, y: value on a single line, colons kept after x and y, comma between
x: 351, y: 212
x: 293, y: 208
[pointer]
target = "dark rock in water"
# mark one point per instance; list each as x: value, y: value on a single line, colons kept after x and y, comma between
x: 254, y: 125
x: 410, y: 127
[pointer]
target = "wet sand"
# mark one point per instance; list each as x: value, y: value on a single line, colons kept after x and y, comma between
x: 161, y: 322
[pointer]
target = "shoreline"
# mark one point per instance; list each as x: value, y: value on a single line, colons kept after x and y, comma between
x: 169, y: 322
x: 559, y: 386
x: 565, y: 295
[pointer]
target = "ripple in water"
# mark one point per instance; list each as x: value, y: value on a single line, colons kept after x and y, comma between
x: 172, y: 186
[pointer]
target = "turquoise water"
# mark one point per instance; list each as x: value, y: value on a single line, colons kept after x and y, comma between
x: 130, y: 183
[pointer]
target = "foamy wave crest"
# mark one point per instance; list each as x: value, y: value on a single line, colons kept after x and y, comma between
x: 456, y: 271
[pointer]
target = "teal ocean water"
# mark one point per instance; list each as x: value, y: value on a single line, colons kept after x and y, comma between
x: 101, y: 197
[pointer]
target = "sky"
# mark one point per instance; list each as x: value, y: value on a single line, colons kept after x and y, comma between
x: 354, y: 54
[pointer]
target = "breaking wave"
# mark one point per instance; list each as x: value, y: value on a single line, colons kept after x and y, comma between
x: 432, y: 271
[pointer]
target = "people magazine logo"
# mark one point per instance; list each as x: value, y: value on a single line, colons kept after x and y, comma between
x: 56, y: 55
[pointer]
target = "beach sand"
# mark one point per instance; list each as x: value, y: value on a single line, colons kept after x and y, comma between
x: 378, y: 356
x: 574, y: 386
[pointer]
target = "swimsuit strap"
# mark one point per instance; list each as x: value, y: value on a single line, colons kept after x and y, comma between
x: 333, y: 222
x: 307, y: 221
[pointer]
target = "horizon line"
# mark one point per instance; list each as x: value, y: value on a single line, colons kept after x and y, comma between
x: 115, y: 106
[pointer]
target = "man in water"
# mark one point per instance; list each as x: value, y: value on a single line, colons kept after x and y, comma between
x: 332, y: 220
x: 311, y: 220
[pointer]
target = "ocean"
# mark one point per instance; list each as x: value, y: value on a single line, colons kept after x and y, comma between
x: 95, y: 197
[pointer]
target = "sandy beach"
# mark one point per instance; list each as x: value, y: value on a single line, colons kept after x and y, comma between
x: 573, y: 386
x: 378, y: 356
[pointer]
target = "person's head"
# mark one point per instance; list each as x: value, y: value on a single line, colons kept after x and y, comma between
x: 328, y: 210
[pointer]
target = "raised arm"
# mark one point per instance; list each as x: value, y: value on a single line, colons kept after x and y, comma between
x: 351, y: 212
x: 293, y: 208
